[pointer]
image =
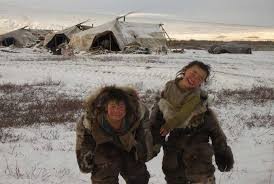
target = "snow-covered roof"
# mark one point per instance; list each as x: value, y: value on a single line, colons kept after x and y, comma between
x: 68, y: 32
x: 125, y: 33
x: 24, y: 37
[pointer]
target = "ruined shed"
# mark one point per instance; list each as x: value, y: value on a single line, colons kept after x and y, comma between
x: 23, y: 37
x: 116, y: 35
x: 54, y: 40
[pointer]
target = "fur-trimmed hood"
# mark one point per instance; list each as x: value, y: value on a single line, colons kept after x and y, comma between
x: 96, y: 103
x: 136, y: 139
x: 135, y: 115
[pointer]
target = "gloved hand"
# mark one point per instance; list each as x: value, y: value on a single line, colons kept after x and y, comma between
x: 224, y: 159
x: 85, y: 161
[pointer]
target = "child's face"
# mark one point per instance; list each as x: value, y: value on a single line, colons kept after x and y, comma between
x: 193, y: 78
x: 116, y: 111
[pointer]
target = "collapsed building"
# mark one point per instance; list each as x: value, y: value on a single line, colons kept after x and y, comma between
x: 117, y: 35
x: 55, y: 40
x: 23, y: 37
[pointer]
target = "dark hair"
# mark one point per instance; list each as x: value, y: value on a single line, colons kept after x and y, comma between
x: 200, y: 64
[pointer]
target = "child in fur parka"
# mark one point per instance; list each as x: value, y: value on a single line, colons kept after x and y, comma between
x: 183, y: 113
x: 113, y: 137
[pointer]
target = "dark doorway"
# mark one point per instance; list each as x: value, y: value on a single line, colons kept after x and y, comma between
x: 56, y: 41
x: 106, y: 40
x: 8, y: 41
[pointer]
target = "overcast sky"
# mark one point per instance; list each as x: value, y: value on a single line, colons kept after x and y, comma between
x: 244, y: 12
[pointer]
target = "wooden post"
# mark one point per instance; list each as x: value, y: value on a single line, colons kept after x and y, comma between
x: 110, y: 42
x: 55, y: 44
x: 161, y: 25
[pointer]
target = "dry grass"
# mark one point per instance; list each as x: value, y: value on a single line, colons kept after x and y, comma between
x: 205, y: 44
x: 257, y: 94
x: 6, y: 135
x: 27, y: 104
x: 259, y: 120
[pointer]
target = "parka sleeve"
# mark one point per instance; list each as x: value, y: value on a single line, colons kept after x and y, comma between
x: 223, y: 154
x: 143, y: 137
x: 216, y: 133
x: 85, y: 146
x: 156, y: 120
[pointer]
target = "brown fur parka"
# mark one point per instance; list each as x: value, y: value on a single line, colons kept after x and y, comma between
x: 90, y: 135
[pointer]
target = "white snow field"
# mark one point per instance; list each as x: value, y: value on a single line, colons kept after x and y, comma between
x: 44, y: 154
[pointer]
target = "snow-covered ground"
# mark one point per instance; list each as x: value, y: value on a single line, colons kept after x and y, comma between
x: 44, y: 154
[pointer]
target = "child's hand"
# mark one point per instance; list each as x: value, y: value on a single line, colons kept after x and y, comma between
x: 164, y: 131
